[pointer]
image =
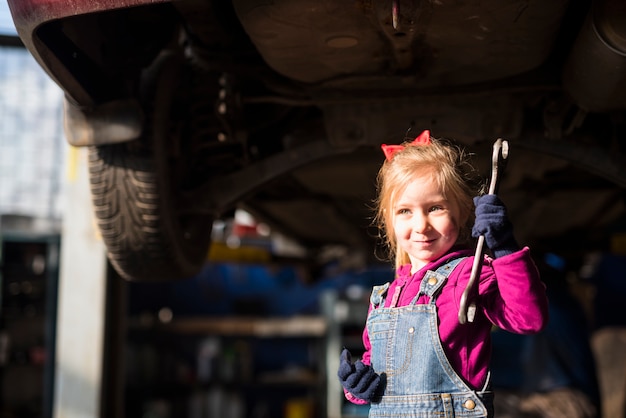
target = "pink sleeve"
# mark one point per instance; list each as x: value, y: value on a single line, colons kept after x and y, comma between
x: 354, y: 399
x: 514, y: 295
x: 367, y: 354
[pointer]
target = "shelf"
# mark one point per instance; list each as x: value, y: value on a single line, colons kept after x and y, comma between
x: 28, y: 302
x: 289, y: 377
x: 298, y: 326
x: 262, y: 362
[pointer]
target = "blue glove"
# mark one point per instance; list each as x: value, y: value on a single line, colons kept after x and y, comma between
x: 359, y: 379
x: 493, y: 223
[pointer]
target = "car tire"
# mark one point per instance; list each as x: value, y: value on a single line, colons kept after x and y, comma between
x: 150, y: 234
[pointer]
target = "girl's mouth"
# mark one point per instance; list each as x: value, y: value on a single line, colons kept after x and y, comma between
x: 425, y: 242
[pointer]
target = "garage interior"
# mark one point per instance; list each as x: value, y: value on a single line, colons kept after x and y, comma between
x: 248, y: 336
x: 258, y: 330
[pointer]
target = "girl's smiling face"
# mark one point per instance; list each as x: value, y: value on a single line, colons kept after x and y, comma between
x: 425, y: 224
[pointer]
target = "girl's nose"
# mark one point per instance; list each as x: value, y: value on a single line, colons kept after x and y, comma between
x: 420, y: 223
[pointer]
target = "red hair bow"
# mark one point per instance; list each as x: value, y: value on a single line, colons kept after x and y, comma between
x: 421, y: 139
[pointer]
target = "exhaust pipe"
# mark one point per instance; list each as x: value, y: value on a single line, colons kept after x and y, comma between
x: 595, y: 73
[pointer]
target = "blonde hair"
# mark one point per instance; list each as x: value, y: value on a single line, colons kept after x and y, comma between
x: 452, y: 171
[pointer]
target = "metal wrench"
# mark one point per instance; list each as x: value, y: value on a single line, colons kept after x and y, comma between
x: 467, y: 310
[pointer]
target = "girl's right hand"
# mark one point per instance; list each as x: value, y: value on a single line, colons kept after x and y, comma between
x: 358, y: 379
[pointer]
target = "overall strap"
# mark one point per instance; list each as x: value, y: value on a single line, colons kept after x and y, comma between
x: 433, y: 281
x: 377, y: 298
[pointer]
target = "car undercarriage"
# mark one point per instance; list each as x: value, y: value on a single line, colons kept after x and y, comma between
x: 194, y: 108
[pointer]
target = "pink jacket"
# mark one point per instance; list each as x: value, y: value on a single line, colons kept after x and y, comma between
x: 511, y: 296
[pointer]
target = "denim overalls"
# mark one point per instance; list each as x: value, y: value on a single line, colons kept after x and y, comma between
x: 418, y: 380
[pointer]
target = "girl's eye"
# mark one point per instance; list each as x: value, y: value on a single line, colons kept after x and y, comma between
x: 435, y: 208
x: 403, y: 211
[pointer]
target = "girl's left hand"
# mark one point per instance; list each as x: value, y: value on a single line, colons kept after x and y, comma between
x: 493, y: 223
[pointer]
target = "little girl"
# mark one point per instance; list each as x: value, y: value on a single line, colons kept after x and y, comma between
x: 419, y: 361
